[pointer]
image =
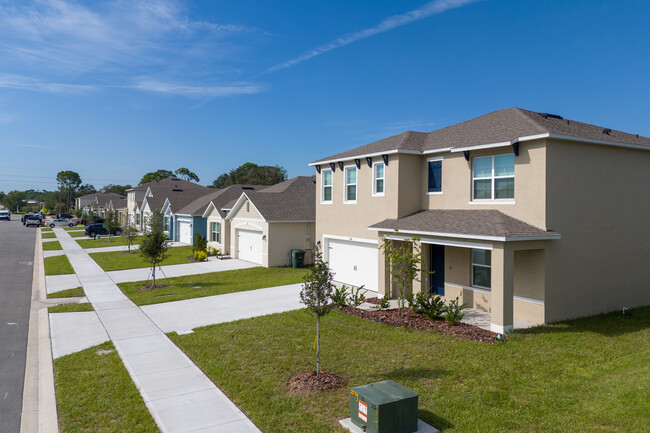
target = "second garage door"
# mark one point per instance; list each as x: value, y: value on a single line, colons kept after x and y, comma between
x: 354, y: 263
x: 185, y: 232
x: 249, y: 246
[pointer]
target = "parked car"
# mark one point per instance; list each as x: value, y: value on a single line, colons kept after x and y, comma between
x: 33, y: 220
x: 30, y: 215
x: 61, y: 222
x: 65, y: 216
x: 5, y: 215
x: 100, y: 229
x: 96, y: 220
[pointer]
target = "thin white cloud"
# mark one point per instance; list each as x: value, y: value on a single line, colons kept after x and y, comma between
x: 32, y: 84
x: 196, y: 91
x: 7, y: 118
x: 432, y: 8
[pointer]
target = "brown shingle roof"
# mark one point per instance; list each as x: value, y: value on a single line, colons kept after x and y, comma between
x: 496, y: 127
x: 465, y: 223
x: 219, y: 198
x: 179, y: 192
x: 291, y: 200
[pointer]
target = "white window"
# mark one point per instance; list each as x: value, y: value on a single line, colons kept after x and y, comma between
x: 137, y: 218
x: 378, y: 178
x: 166, y: 227
x: 482, y: 268
x: 494, y: 177
x: 350, y: 191
x: 326, y: 186
x: 215, y: 232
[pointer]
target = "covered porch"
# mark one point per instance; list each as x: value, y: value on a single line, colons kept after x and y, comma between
x: 492, y: 262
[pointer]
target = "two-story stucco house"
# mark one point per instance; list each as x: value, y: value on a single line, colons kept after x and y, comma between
x: 526, y: 215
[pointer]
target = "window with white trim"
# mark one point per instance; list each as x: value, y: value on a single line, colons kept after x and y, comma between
x: 482, y: 268
x: 137, y: 218
x: 378, y: 178
x: 326, y: 186
x: 494, y: 177
x: 434, y: 172
x: 215, y: 232
x: 166, y: 223
x: 350, y: 175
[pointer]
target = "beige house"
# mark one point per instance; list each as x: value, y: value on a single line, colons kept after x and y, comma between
x: 522, y: 214
x: 265, y: 225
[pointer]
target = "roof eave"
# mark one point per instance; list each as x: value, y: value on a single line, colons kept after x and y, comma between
x: 553, y: 236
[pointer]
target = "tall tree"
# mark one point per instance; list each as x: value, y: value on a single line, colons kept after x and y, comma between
x: 186, y: 174
x: 69, y: 181
x: 117, y: 189
x: 156, y: 175
x: 85, y: 189
x: 251, y: 174
x: 14, y: 200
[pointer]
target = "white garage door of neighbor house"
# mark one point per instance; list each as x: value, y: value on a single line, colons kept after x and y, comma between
x: 354, y: 263
x: 249, y: 246
x: 185, y: 232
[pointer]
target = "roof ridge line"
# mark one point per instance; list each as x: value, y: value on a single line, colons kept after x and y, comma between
x: 529, y: 119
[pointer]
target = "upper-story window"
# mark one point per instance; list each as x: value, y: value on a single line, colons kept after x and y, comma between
x: 378, y: 178
x: 494, y: 177
x: 326, y: 187
x: 434, y: 175
x: 350, y: 175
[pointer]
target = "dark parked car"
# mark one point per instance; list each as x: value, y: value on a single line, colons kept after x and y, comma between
x: 31, y: 215
x: 100, y: 229
x: 96, y: 220
x: 33, y: 220
x: 65, y: 216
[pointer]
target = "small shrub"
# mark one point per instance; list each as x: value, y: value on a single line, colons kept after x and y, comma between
x: 356, y: 297
x: 454, y: 312
x: 383, y: 303
x: 200, y: 242
x: 213, y: 251
x: 200, y: 256
x: 340, y: 296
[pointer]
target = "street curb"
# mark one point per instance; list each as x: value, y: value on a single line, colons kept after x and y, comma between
x: 39, y: 398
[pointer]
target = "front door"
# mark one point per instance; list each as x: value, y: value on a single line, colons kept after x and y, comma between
x: 437, y: 267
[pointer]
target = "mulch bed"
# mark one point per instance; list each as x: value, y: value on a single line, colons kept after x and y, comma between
x: 152, y: 287
x: 422, y: 322
x: 305, y: 382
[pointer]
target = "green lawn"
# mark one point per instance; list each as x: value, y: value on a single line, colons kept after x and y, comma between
x: 70, y: 293
x: 94, y: 393
x: 217, y: 283
x: 71, y: 308
x: 46, y: 229
x: 57, y: 265
x: 77, y: 227
x: 586, y: 375
x: 50, y: 235
x: 113, y: 241
x: 76, y: 234
x: 117, y: 260
x: 52, y: 246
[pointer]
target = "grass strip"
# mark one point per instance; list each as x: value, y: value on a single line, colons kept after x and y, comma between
x: 46, y: 229
x: 77, y: 227
x: 113, y: 241
x: 57, y: 265
x: 118, y: 260
x: 586, y: 375
x: 94, y: 393
x: 216, y: 283
x: 52, y: 246
x: 77, y: 234
x: 70, y: 293
x: 48, y: 235
x: 71, y: 308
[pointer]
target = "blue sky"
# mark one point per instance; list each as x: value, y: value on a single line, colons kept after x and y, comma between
x: 114, y: 89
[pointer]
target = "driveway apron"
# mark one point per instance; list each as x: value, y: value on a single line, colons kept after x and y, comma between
x: 179, y: 396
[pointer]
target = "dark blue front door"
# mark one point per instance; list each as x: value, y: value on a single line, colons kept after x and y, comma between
x: 437, y: 266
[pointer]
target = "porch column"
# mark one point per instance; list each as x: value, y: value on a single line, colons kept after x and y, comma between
x: 503, y: 283
x: 383, y: 279
x: 421, y: 285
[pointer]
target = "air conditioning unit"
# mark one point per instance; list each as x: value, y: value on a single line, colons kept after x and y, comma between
x: 384, y: 407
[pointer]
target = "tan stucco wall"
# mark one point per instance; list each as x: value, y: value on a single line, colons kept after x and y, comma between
x: 283, y: 237
x: 251, y: 213
x: 224, y: 245
x: 248, y: 220
x: 598, y: 199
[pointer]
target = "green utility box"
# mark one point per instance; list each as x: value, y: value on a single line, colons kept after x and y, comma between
x: 297, y: 258
x: 384, y: 407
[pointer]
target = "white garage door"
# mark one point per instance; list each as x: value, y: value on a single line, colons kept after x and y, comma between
x: 249, y: 246
x: 354, y: 263
x: 185, y: 232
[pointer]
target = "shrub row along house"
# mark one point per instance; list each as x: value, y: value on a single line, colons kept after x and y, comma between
x: 526, y: 215
x: 260, y: 224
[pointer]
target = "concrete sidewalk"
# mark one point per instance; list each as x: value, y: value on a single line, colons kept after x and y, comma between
x: 179, y: 396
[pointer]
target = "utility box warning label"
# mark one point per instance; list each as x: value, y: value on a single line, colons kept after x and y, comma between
x: 363, y: 411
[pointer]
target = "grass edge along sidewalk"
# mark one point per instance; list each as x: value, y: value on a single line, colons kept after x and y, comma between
x: 214, y: 283
x: 57, y: 265
x: 585, y: 375
x: 119, y: 261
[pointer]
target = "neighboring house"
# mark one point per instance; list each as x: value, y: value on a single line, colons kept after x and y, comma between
x: 265, y: 225
x: 99, y: 203
x: 522, y: 214
x: 144, y: 199
x: 182, y: 225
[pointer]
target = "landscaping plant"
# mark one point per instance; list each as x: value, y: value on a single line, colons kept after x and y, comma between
x: 340, y: 296
x: 200, y: 256
x: 356, y: 297
x: 405, y: 261
x: 200, y: 243
x: 129, y: 235
x: 383, y: 303
x: 110, y: 222
x: 453, y: 312
x: 316, y: 294
x: 154, y: 246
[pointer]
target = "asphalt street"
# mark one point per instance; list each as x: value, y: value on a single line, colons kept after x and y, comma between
x: 16, y: 267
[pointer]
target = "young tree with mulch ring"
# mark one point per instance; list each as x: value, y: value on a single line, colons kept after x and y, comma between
x: 153, y: 248
x: 129, y: 235
x: 111, y: 223
x: 405, y: 259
